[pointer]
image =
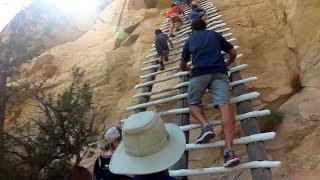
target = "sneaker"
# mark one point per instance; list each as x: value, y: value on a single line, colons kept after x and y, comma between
x: 206, y: 135
x: 172, y: 35
x: 230, y: 159
x: 161, y: 67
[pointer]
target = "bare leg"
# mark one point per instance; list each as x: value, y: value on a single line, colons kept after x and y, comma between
x: 179, y: 23
x: 227, y: 123
x: 161, y: 58
x: 165, y: 58
x: 198, y: 114
x: 172, y: 25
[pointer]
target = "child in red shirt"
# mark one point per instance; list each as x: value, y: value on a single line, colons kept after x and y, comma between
x: 172, y: 16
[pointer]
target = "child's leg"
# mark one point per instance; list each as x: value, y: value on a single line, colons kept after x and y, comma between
x: 165, y: 57
x: 178, y: 23
x: 172, y: 25
x: 161, y: 59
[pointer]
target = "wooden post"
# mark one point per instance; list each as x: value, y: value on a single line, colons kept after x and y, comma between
x: 256, y: 151
x: 145, y: 89
x: 182, y: 120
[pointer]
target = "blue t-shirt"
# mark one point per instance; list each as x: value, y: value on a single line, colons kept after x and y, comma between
x: 196, y: 13
x: 205, y: 46
x: 161, y: 43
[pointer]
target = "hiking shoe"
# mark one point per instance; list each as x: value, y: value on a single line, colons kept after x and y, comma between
x: 206, y: 135
x: 161, y: 67
x: 230, y: 159
x: 172, y: 35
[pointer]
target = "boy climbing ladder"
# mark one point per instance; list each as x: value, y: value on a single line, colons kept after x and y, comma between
x: 161, y: 43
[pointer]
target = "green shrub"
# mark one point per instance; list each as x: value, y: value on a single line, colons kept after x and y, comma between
x: 61, y: 137
x: 275, y: 117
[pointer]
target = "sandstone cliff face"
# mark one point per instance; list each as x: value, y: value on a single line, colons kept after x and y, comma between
x: 112, y: 73
x: 42, y: 26
x: 280, y: 40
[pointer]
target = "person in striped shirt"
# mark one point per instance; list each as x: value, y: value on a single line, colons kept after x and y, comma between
x: 196, y: 13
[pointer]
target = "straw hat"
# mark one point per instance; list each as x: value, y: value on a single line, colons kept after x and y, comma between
x: 148, y: 145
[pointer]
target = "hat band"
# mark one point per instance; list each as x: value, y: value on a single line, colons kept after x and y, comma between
x: 150, y: 150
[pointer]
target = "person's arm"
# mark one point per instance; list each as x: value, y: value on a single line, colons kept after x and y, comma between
x: 229, y: 49
x: 232, y: 56
x: 185, y: 57
x: 180, y: 11
x: 184, y: 67
x: 168, y: 39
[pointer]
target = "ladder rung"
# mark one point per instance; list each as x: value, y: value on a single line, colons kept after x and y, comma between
x: 210, y: 18
x: 158, y: 65
x: 237, y: 99
x: 218, y: 170
x: 244, y: 97
x: 175, y: 68
x: 179, y: 74
x: 211, y: 28
x: 174, y: 76
x: 173, y: 53
x: 162, y: 91
x: 232, y: 70
x: 243, y: 140
x: 181, y: 45
x: 232, y: 84
x: 157, y: 102
x: 240, y: 117
x: 210, y: 21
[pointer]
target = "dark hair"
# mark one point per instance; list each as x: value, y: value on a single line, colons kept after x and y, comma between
x: 173, y: 5
x: 157, y: 31
x: 194, y: 6
x: 198, y: 24
x: 119, y: 130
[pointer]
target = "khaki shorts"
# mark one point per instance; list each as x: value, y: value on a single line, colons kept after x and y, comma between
x: 164, y: 56
x: 218, y: 85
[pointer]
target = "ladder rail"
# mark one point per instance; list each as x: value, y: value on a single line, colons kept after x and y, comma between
x: 256, y: 151
x: 253, y: 138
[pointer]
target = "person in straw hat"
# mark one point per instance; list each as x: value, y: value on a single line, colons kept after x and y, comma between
x: 101, y: 167
x: 149, y: 147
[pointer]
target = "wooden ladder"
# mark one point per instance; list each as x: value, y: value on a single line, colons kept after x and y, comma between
x: 253, y: 139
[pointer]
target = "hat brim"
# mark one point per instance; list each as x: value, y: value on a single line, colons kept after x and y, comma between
x: 122, y: 163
